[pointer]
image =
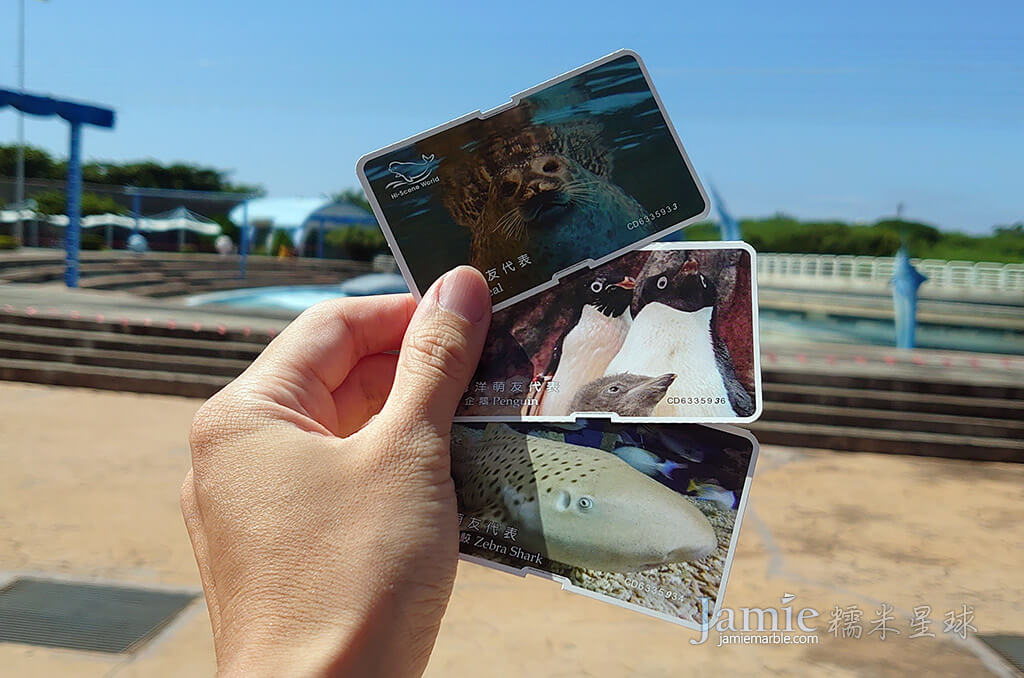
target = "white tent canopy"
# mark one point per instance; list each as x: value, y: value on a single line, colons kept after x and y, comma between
x: 179, y: 218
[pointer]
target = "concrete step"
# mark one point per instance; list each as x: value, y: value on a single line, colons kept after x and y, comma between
x: 896, y: 401
x: 916, y: 443
x: 175, y: 288
x: 116, y: 281
x: 134, y: 360
x: 164, y: 288
x: 110, y: 378
x: 22, y: 258
x: 928, y: 385
x: 121, y: 341
x: 144, y: 284
x: 204, y: 275
x: 33, y: 274
x: 895, y: 420
x: 156, y: 329
x: 51, y: 266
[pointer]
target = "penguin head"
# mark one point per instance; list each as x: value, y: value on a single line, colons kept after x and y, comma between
x: 684, y: 288
x: 610, y: 297
x: 625, y: 393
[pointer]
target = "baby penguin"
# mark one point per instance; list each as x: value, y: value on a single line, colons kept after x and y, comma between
x: 625, y: 394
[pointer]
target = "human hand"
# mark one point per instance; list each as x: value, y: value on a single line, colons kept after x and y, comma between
x: 320, y: 503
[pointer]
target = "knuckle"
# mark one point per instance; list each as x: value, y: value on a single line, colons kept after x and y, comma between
x: 209, y: 425
x: 322, y: 314
x: 187, y: 496
x: 319, y: 313
x: 439, y: 351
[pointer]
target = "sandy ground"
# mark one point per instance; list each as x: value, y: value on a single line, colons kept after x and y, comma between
x: 89, y: 492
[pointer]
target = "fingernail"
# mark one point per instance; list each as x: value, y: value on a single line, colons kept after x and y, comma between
x: 464, y: 292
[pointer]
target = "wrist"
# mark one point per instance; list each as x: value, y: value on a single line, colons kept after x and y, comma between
x: 286, y: 651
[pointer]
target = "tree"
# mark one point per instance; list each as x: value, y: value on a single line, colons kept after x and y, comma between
x: 356, y: 242
x: 356, y: 196
x: 56, y: 202
x: 39, y: 164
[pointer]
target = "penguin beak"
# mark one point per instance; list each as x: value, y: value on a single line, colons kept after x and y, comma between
x: 662, y: 382
x: 626, y: 283
x: 690, y: 267
x: 655, y: 387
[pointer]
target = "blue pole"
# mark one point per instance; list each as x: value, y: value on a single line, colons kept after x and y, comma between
x: 136, y: 211
x: 728, y: 227
x: 72, y: 234
x: 905, y: 281
x: 243, y: 245
x: 320, y: 240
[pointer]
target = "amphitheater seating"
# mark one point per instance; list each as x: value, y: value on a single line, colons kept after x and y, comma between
x: 159, y: 274
x: 861, y: 404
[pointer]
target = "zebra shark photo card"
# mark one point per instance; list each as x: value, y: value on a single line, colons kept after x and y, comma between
x: 667, y: 333
x: 566, y: 176
x: 645, y: 516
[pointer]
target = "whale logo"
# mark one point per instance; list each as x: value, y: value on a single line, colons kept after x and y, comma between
x: 412, y: 172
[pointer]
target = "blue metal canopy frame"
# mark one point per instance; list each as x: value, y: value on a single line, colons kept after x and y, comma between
x: 339, y: 212
x: 76, y: 114
x: 137, y: 193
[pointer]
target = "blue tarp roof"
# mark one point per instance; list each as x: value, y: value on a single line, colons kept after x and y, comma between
x: 280, y: 213
x: 293, y: 213
x: 342, y: 213
x: 299, y: 216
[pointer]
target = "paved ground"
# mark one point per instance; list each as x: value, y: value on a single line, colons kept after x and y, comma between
x: 89, y: 491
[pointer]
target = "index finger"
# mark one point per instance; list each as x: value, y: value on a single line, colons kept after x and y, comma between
x: 327, y: 340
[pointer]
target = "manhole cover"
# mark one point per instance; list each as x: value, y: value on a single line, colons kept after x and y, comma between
x: 1011, y: 648
x: 84, y: 616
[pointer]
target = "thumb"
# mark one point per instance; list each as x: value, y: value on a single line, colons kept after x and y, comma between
x: 440, y: 350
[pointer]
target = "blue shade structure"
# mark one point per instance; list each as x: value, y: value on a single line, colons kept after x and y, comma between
x: 76, y: 114
x: 339, y: 213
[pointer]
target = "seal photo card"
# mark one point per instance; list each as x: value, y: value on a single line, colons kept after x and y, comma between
x: 567, y: 175
x: 667, y: 333
x: 645, y: 516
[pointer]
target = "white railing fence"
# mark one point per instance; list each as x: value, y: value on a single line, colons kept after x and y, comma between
x: 982, y: 275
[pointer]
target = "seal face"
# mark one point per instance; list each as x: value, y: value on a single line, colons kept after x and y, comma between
x: 522, y: 199
x: 543, y: 191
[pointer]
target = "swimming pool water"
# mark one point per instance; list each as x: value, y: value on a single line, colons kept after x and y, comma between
x: 776, y: 326
x: 298, y: 298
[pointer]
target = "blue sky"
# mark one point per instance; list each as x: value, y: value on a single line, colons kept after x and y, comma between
x: 817, y: 109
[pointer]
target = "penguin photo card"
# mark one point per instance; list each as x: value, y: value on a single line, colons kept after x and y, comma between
x: 645, y: 516
x: 667, y: 333
x: 566, y: 176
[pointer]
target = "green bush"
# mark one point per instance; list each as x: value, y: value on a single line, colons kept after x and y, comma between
x: 93, y: 241
x: 782, y: 233
x: 55, y: 202
x: 226, y: 227
x: 281, y: 240
x: 356, y: 242
x: 7, y: 242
